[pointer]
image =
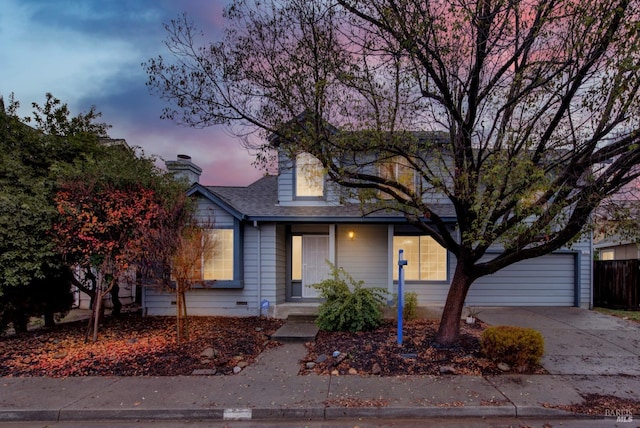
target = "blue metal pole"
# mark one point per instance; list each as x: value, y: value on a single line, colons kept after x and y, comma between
x: 401, y: 264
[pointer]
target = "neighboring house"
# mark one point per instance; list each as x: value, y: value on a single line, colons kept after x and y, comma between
x: 616, y: 236
x: 616, y: 248
x: 275, y: 236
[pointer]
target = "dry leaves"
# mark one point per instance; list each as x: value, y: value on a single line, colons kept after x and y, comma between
x: 418, y: 355
x: 608, y: 406
x: 356, y: 402
x: 135, y: 346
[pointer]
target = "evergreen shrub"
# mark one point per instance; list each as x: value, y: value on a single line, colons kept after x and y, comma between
x: 348, y: 305
x: 518, y: 346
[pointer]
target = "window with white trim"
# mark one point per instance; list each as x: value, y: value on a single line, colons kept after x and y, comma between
x: 398, y: 169
x: 427, y: 260
x: 218, y: 262
x: 309, y: 176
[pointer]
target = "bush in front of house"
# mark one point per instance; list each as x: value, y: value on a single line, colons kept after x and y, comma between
x: 409, y: 306
x: 348, y: 305
x: 518, y: 346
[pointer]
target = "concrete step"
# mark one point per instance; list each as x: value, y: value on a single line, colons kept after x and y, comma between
x: 302, y: 318
x: 296, y: 331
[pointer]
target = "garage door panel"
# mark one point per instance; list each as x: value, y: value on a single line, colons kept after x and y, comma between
x: 543, y: 281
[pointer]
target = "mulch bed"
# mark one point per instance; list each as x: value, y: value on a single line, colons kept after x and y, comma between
x: 131, y: 345
x: 377, y: 352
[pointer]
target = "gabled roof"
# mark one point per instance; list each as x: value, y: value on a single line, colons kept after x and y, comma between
x: 259, y: 202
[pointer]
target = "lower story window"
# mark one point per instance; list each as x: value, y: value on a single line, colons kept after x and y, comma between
x: 218, y: 262
x: 427, y: 260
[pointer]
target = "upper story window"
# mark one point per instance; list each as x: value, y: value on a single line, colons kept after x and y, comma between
x: 398, y: 169
x: 309, y: 176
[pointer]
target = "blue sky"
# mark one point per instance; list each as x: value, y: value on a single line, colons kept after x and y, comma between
x: 89, y: 52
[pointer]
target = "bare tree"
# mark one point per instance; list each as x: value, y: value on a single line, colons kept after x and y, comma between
x: 537, y: 101
x: 195, y: 244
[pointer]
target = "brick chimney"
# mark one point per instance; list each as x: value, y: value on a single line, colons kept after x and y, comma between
x: 184, y: 168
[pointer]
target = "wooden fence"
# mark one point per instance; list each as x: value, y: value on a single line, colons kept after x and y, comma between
x: 616, y: 284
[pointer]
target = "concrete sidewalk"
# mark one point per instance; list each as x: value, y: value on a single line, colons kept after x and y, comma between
x: 272, y: 389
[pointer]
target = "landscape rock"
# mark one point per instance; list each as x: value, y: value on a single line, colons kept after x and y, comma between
x: 376, y: 369
x: 448, y: 370
x: 242, y: 364
x: 60, y: 355
x: 208, y: 353
x: 236, y: 370
x: 335, y: 373
x: 310, y: 365
x: 321, y: 358
x: 504, y: 367
x: 353, y: 371
x: 340, y: 359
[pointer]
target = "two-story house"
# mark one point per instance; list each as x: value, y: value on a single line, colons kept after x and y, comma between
x: 275, y: 236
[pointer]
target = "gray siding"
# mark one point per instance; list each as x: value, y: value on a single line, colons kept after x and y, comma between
x: 285, y: 179
x: 281, y: 264
x: 286, y: 189
x: 544, y: 281
x: 203, y: 302
x: 210, y: 214
x: 228, y: 302
x: 265, y: 266
x: 365, y: 257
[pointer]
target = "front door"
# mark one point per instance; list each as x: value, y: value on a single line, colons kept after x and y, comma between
x: 315, y: 253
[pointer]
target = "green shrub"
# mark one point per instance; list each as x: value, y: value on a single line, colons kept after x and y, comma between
x: 517, y: 346
x: 410, y: 307
x: 348, y: 306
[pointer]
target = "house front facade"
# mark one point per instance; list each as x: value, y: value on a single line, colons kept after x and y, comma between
x: 275, y: 237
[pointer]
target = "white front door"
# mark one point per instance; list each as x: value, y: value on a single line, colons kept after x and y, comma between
x: 315, y: 253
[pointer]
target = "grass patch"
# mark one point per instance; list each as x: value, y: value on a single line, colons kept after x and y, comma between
x: 631, y: 315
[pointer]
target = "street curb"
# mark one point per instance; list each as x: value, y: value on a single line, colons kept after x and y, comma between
x: 311, y: 413
x: 536, y: 411
x: 29, y: 415
x: 419, y: 412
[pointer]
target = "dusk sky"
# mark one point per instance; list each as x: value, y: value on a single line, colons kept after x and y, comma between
x: 89, y: 52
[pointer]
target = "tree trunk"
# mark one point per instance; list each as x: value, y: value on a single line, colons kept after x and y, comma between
x: 97, y: 306
x: 49, y: 320
x: 449, y: 330
x: 178, y: 315
x: 117, y: 306
x: 185, y: 318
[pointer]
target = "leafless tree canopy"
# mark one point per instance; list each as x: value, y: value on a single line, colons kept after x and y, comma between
x: 537, y: 100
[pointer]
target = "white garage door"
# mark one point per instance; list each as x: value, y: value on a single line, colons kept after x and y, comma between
x: 543, y: 281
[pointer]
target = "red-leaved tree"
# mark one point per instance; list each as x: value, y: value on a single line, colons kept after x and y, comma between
x: 109, y: 229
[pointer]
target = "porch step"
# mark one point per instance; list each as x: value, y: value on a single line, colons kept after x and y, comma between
x: 302, y: 318
x: 297, y: 328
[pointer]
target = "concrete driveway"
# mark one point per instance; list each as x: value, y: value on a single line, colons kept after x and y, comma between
x: 577, y: 341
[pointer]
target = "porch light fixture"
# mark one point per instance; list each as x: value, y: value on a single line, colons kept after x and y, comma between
x: 351, y: 234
